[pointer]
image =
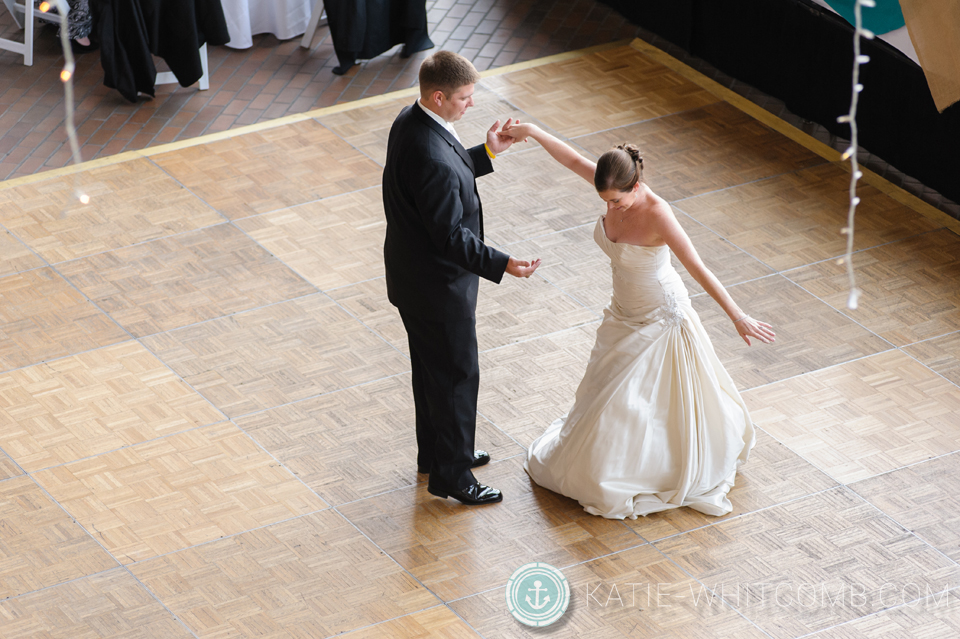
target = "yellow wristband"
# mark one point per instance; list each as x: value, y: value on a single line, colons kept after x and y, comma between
x: 489, y: 152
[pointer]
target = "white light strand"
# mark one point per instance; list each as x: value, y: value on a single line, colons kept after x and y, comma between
x: 851, y: 152
x: 66, y: 76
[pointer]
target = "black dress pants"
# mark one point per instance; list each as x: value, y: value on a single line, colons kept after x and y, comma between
x: 446, y: 381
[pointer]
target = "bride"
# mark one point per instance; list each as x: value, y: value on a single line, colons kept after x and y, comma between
x: 657, y: 422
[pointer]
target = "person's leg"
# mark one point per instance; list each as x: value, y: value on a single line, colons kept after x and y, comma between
x: 79, y: 21
x: 346, y: 60
x: 448, y: 382
x: 426, y: 435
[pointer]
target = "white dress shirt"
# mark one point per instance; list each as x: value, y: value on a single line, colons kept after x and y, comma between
x: 447, y: 125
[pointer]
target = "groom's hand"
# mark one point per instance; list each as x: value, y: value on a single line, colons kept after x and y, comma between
x: 496, y: 141
x: 522, y: 268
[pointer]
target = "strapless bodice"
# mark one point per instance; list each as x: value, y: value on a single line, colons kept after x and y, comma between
x: 646, y: 286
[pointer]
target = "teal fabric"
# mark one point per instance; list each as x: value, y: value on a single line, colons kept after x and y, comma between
x: 884, y: 17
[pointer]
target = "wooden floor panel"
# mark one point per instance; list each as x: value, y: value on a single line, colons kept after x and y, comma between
x: 15, y: 256
x: 809, y: 334
x: 314, y: 576
x: 615, y: 597
x: 276, y: 354
x: 44, y: 317
x: 574, y: 263
x: 521, y: 309
x: 130, y: 202
x: 530, y: 195
x: 796, y: 219
x: 910, y: 290
x: 367, y: 301
x: 190, y: 278
x: 334, y: 242
x: 433, y: 623
x: 8, y: 468
x: 924, y: 498
x: 833, y: 542
x: 525, y: 387
x: 110, y: 605
x: 172, y: 493
x: 935, y: 616
x: 39, y: 545
x: 599, y: 91
x: 92, y: 403
x: 367, y: 128
x: 271, y: 169
x: 941, y: 354
x: 456, y: 551
x: 357, y: 442
x: 707, y: 149
x: 862, y: 418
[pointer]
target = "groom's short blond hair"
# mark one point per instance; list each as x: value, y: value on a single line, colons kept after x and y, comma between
x: 446, y: 71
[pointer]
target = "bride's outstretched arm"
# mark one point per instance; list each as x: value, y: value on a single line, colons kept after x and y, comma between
x: 560, y: 151
x: 679, y: 242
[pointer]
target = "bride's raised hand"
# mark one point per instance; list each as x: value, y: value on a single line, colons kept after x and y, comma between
x: 516, y: 131
x: 748, y: 327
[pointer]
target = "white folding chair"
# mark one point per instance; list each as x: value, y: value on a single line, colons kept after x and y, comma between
x: 314, y: 22
x: 19, y: 13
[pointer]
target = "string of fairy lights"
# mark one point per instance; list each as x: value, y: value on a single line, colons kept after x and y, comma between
x: 66, y: 76
x: 851, y: 152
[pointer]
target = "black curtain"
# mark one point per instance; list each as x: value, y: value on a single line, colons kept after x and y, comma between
x: 802, y: 54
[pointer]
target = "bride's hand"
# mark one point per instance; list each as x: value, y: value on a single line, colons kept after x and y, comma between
x: 517, y: 131
x: 748, y: 327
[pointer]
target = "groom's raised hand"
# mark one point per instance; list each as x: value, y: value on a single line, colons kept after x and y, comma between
x: 522, y: 268
x: 497, y: 141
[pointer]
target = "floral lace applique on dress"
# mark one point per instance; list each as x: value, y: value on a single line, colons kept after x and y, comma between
x: 669, y: 313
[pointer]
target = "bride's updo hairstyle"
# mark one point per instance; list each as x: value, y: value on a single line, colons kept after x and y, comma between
x: 619, y: 169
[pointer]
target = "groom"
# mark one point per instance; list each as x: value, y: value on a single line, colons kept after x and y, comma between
x: 434, y: 256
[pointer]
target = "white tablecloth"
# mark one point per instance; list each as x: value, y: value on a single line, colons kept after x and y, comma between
x: 283, y: 18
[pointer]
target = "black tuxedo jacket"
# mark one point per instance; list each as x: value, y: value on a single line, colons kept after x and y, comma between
x: 434, y: 251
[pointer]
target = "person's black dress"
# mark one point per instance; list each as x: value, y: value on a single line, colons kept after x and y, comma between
x: 363, y: 29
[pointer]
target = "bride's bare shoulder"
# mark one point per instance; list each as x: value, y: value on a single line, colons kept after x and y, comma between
x: 657, y: 207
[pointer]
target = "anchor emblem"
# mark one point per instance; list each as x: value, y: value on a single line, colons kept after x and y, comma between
x: 536, y: 589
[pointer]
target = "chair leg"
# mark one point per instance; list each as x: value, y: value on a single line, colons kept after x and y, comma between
x: 312, y: 24
x: 205, y: 78
x: 28, y: 24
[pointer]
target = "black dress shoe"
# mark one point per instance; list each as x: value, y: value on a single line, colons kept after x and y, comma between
x: 480, y: 457
x: 475, y: 495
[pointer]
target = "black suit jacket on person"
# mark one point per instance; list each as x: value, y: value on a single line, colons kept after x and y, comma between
x: 434, y: 251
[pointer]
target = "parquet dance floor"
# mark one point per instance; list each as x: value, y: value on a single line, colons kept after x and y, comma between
x: 206, y: 423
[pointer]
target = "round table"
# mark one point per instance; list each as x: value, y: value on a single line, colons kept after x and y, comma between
x: 283, y: 18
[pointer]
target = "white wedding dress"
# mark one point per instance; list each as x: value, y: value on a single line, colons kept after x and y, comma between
x: 657, y: 422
